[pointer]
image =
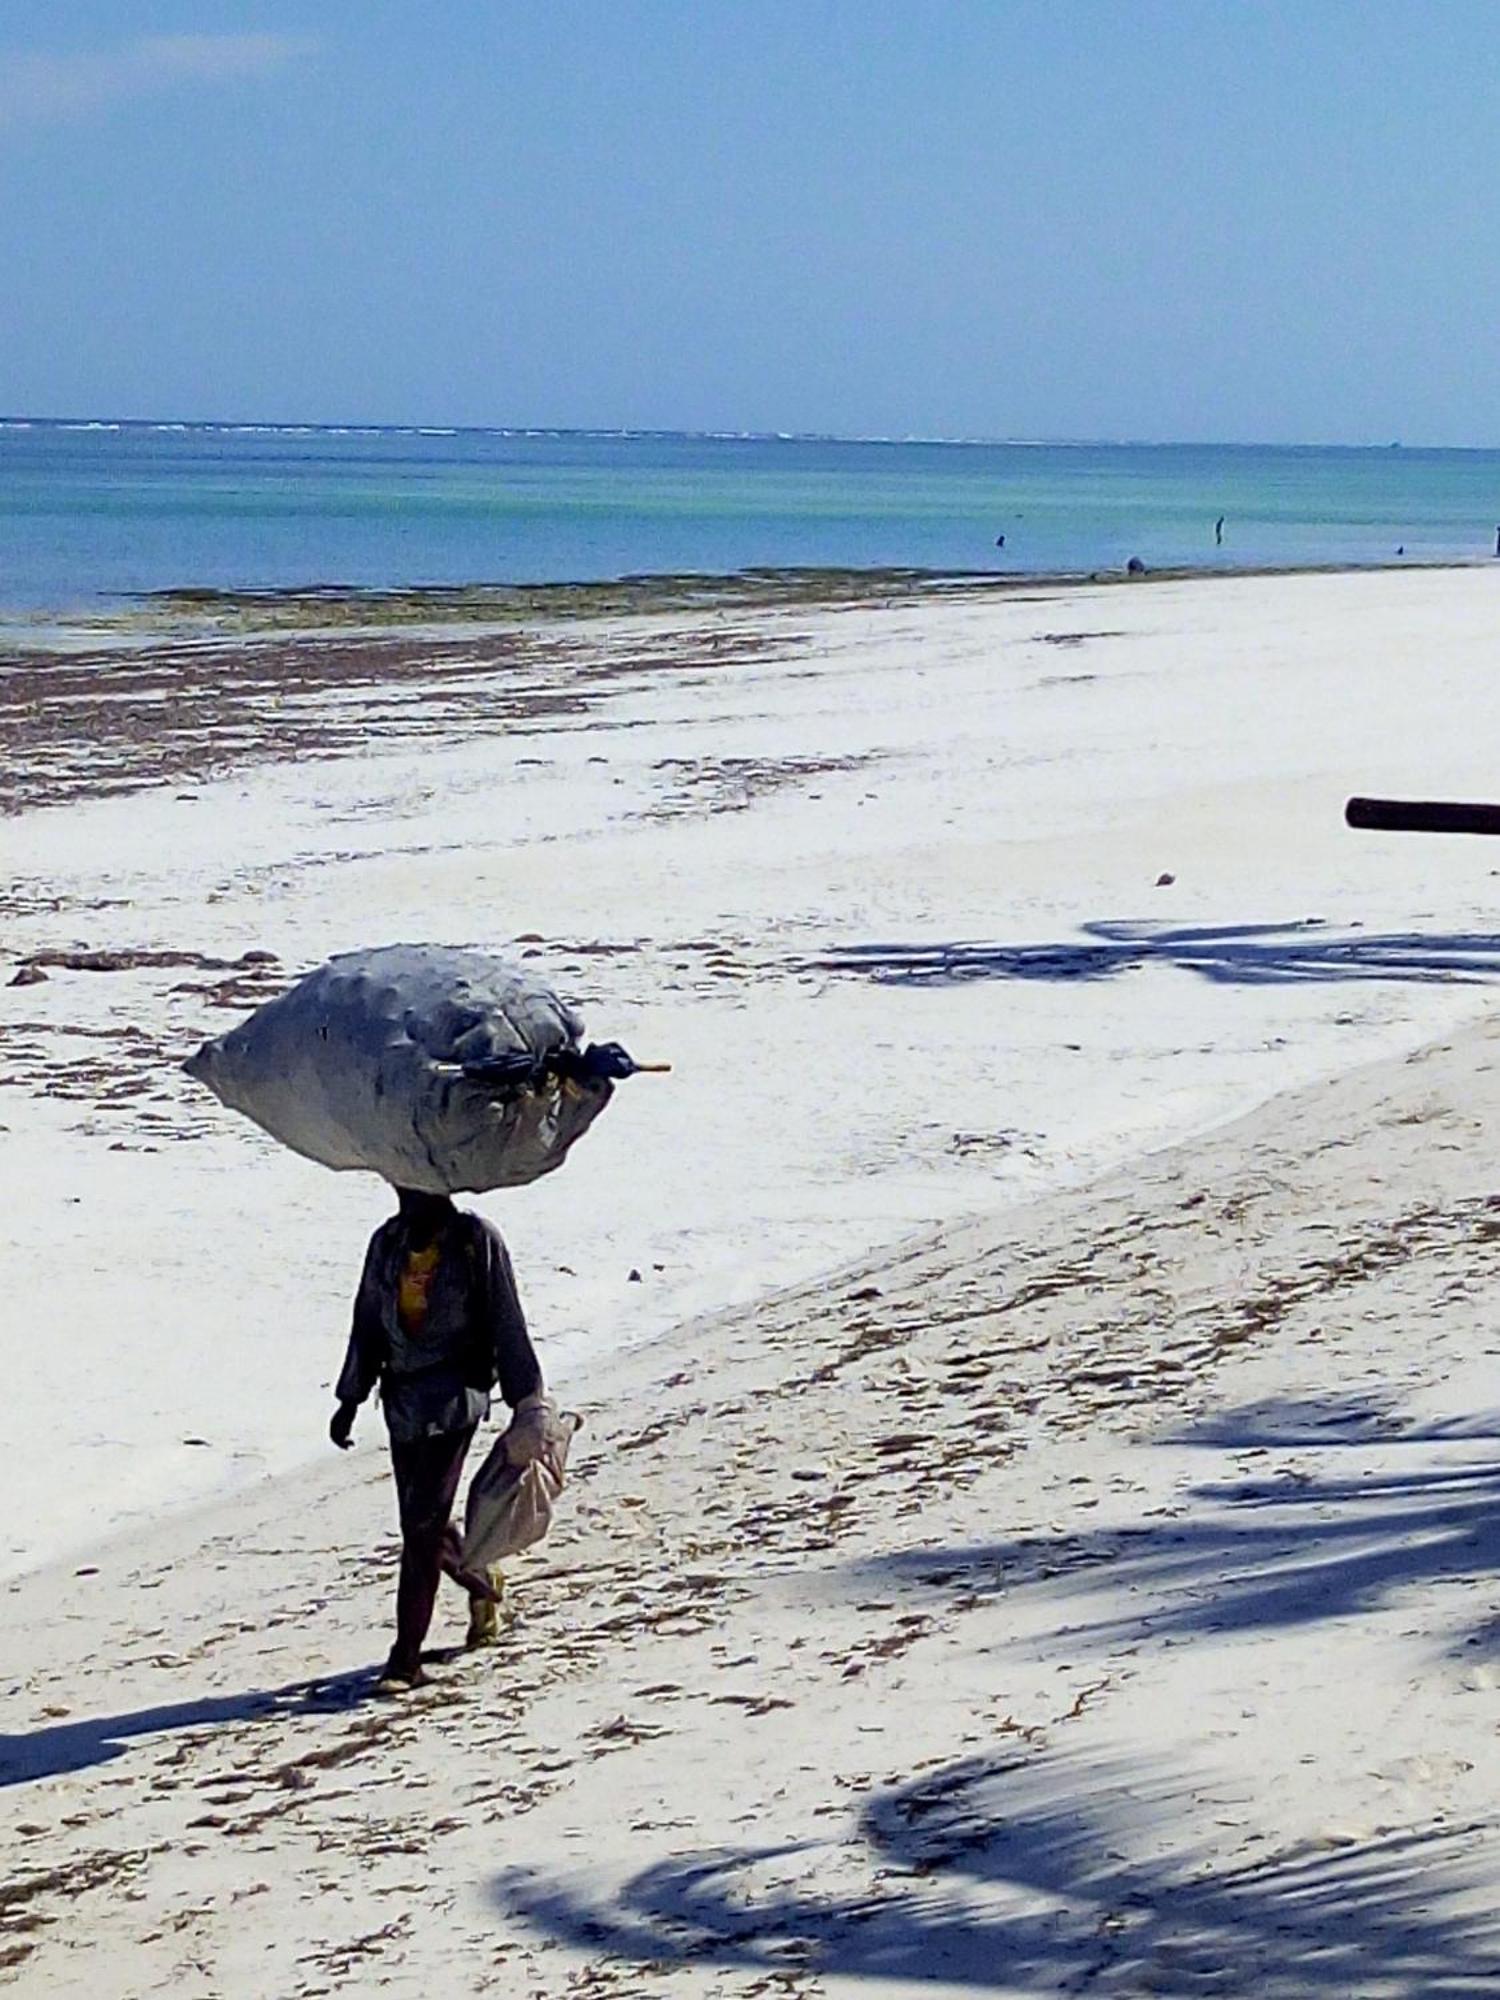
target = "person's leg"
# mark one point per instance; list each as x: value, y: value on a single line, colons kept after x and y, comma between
x: 477, y: 1582
x: 484, y: 1611
x: 483, y: 1585
x: 427, y: 1474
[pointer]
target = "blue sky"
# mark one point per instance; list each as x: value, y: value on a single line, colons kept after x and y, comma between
x: 1194, y: 219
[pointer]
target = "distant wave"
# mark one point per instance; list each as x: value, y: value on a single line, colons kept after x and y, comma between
x: 222, y: 427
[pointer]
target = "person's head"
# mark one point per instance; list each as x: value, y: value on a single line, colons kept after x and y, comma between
x: 425, y: 1215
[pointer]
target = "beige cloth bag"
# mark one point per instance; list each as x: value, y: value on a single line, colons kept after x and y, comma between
x: 513, y: 1494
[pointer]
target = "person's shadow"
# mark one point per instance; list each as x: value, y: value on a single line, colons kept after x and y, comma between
x: 76, y: 1746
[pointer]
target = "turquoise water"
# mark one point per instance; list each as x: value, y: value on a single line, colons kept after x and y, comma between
x: 98, y: 512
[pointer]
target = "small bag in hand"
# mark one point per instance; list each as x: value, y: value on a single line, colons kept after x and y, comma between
x: 512, y: 1495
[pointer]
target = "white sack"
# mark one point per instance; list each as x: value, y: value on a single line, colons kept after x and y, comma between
x: 510, y: 1504
x: 388, y: 1060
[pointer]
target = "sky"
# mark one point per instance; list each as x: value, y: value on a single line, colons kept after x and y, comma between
x: 1263, y: 220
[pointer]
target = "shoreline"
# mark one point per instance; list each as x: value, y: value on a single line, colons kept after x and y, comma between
x: 325, y: 609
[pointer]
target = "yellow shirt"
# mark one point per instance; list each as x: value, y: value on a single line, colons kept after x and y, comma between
x: 414, y: 1284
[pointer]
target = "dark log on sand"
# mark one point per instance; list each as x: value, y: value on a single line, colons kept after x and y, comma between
x: 1422, y: 816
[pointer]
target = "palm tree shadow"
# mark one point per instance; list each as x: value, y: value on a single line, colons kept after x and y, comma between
x: 1024, y: 1872
x: 1226, y: 954
x: 1359, y: 1417
x: 1042, y: 1874
x: 1284, y: 1548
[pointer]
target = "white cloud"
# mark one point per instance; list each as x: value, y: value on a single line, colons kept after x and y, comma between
x: 40, y: 87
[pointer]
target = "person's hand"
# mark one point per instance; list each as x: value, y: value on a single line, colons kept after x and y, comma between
x: 539, y: 1436
x: 341, y: 1428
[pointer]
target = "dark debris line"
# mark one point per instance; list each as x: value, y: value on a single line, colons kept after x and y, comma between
x: 89, y: 725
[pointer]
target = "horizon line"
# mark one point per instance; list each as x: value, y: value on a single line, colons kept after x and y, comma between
x: 718, y: 434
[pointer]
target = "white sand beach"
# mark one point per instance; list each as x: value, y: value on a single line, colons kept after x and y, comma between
x: 1031, y: 1530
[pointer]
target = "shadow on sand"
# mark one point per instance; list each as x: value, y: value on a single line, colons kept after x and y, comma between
x: 1023, y: 1871
x: 1284, y: 1548
x: 75, y: 1746
x: 1363, y: 1417
x: 1038, y: 1874
x: 1228, y: 954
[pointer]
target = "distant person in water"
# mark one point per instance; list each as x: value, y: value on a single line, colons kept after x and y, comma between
x: 1219, y: 532
x: 999, y: 541
x: 1497, y: 541
x: 437, y: 1323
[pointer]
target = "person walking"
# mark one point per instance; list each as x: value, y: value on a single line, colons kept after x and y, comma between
x: 437, y: 1324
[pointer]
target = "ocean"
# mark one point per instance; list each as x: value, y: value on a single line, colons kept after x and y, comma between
x: 93, y: 513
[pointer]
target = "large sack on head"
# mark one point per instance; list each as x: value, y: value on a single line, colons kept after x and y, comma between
x: 441, y: 1070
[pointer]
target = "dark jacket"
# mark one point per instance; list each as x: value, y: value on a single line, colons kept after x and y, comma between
x: 475, y: 1334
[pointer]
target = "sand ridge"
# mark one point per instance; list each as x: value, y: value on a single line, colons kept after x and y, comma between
x: 1095, y: 1600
